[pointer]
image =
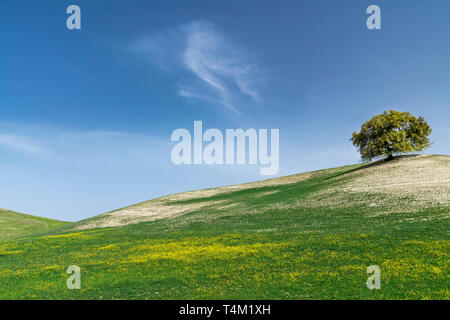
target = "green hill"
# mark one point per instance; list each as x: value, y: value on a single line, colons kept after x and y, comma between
x: 306, y: 236
x: 14, y: 224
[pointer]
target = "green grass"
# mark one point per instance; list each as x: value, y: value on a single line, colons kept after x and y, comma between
x: 253, y: 250
x: 14, y: 224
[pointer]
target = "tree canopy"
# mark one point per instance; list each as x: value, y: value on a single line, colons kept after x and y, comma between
x: 391, y: 133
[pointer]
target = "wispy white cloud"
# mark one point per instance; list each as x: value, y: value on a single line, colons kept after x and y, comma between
x: 68, y: 146
x: 21, y: 143
x: 217, y: 71
x: 194, y: 93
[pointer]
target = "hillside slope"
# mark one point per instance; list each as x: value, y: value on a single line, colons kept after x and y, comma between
x: 408, y: 183
x: 14, y: 224
x: 307, y: 236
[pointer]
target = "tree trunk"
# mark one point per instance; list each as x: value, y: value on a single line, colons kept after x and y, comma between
x: 390, y: 156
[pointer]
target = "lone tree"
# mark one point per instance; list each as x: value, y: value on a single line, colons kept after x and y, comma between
x: 391, y: 133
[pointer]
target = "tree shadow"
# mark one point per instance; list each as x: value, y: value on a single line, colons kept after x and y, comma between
x: 375, y: 164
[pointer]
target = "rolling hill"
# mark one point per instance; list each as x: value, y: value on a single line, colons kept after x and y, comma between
x: 305, y: 236
x: 14, y: 224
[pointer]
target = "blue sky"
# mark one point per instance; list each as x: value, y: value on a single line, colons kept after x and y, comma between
x: 86, y: 115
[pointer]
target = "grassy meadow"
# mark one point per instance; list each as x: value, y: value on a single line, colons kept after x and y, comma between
x: 309, y: 236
